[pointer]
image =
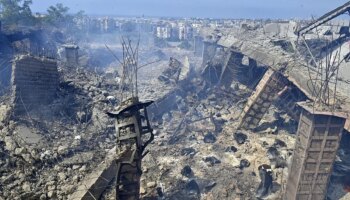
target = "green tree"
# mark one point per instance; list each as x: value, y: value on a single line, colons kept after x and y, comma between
x: 58, y: 15
x: 16, y: 12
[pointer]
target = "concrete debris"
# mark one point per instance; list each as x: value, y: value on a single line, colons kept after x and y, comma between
x: 224, y: 118
x: 265, y: 186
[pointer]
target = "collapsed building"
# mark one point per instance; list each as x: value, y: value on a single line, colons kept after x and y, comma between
x: 219, y: 120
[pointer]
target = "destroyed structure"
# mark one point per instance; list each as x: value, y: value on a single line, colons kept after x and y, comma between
x: 253, y: 110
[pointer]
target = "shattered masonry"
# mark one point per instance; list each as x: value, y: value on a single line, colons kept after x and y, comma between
x: 34, y: 82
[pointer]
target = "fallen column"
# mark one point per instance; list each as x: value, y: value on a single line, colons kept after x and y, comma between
x: 318, y: 138
x: 258, y: 104
x: 131, y: 124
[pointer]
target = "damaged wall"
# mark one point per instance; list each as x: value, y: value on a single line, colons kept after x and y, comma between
x: 34, y: 82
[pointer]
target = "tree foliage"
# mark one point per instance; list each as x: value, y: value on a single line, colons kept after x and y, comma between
x: 58, y: 15
x: 17, y: 12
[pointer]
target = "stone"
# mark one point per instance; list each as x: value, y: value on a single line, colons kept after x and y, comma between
x: 244, y: 164
x: 10, y: 143
x: 75, y: 167
x: 231, y: 149
x: 187, y: 171
x: 28, y: 158
x: 43, y: 197
x: 272, y: 153
x: 210, y: 186
x: 192, y: 188
x: 83, y: 168
x: 279, y: 143
x: 212, y: 160
x: 240, y: 137
x: 62, y: 150
x: 142, y: 190
x: 151, y: 184
x: 62, y: 176
x: 188, y: 151
x: 26, y: 187
x: 209, y: 138
x: 160, y: 192
x: 51, y: 194
x: 19, y: 151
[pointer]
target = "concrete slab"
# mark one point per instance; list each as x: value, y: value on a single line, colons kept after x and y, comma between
x: 29, y: 136
x: 93, y: 186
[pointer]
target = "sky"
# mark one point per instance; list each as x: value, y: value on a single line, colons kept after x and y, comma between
x: 250, y: 9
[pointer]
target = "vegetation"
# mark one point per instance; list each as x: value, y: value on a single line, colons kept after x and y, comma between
x: 18, y: 12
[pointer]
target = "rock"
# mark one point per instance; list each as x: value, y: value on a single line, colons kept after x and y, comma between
x: 62, y: 176
x: 28, y: 158
x: 272, y: 153
x: 160, y: 192
x: 142, y: 190
x: 210, y: 186
x: 240, y: 137
x: 51, y: 194
x: 279, y: 143
x: 187, y: 171
x: 82, y: 116
x: 145, y: 170
x: 10, y: 143
x: 209, y: 138
x: 276, y: 160
x: 151, y: 184
x: 265, y: 185
x: 83, y: 168
x: 244, y: 164
x: 231, y: 149
x: 75, y: 167
x: 43, y: 197
x: 271, y: 130
x: 26, y: 187
x: 111, y: 98
x: 192, y: 188
x: 105, y: 93
x: 75, y: 178
x: 161, y: 167
x: 188, y: 151
x: 62, y: 150
x: 19, y: 151
x: 78, y: 137
x: 212, y: 160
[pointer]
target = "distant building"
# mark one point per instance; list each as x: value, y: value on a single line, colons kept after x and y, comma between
x: 185, y: 32
x: 108, y: 25
x: 164, y: 32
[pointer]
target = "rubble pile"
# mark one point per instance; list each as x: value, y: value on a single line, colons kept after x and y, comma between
x: 193, y: 148
x: 47, y: 151
x: 200, y: 148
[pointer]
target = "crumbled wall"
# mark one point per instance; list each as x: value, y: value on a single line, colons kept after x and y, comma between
x: 34, y: 82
